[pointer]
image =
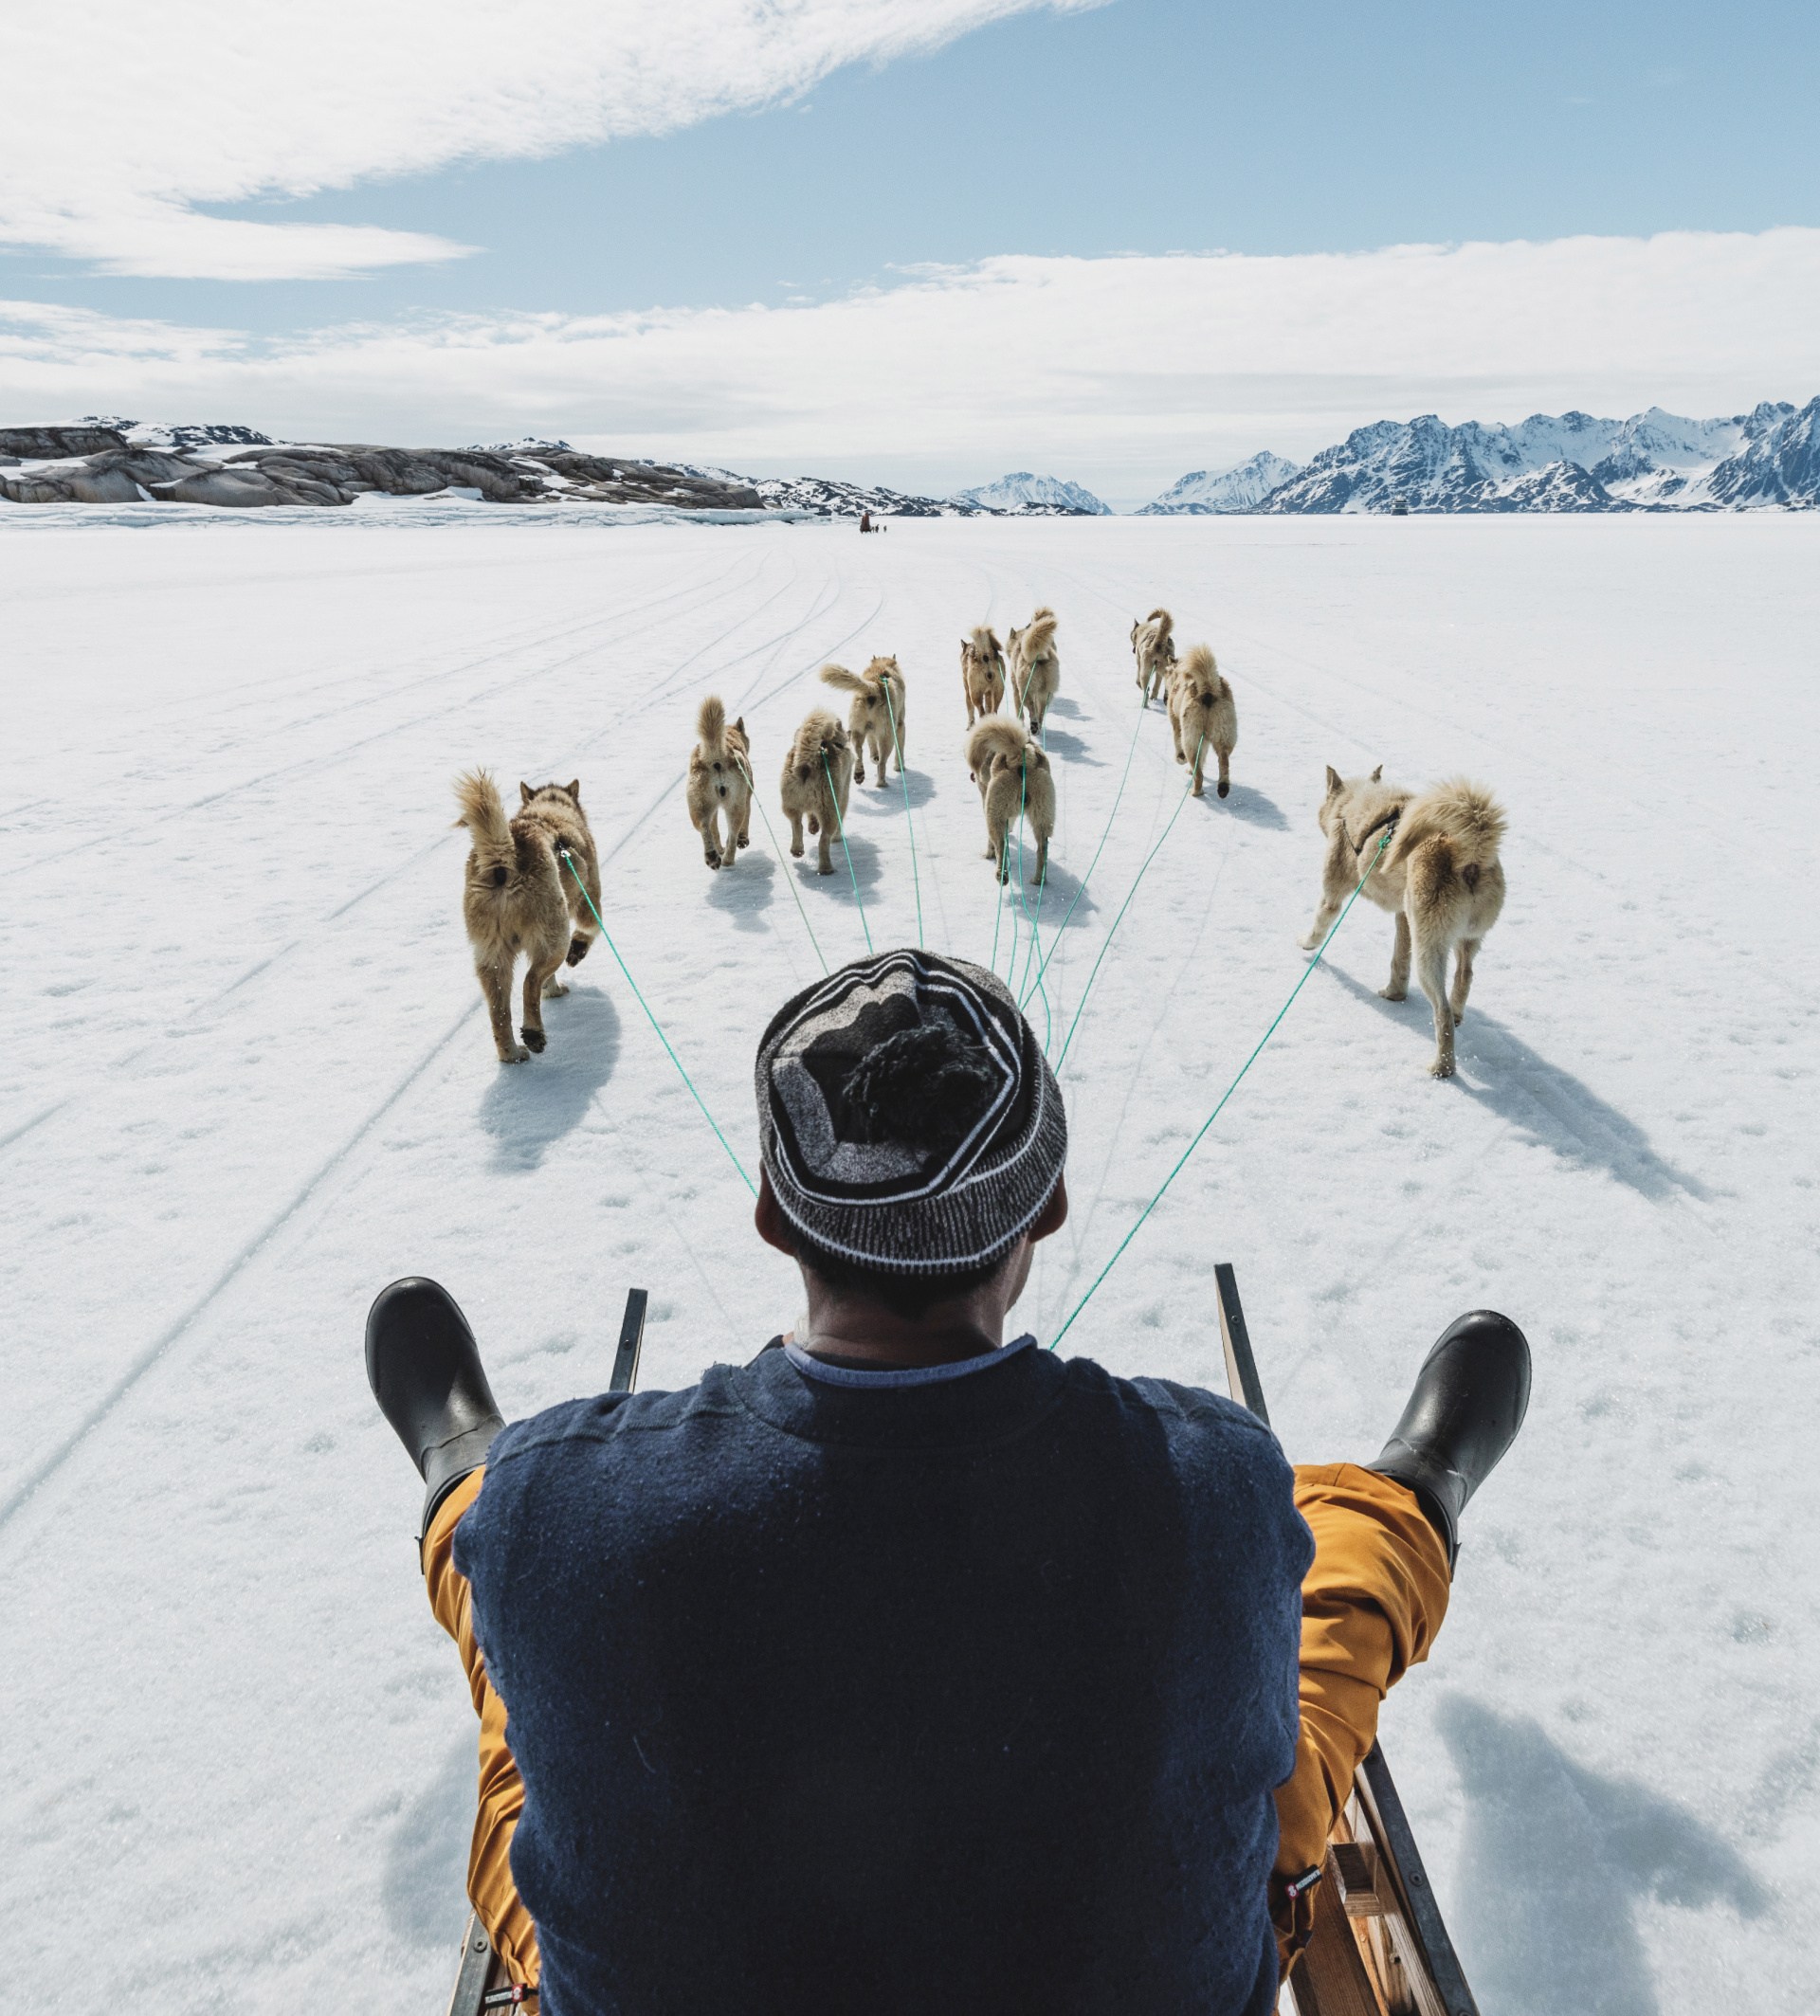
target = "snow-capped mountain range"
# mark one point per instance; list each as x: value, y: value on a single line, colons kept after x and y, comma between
x: 1655, y: 461
x: 1201, y: 495
x: 1022, y: 494
x: 1768, y: 459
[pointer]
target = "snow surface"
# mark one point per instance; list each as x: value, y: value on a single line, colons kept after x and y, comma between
x: 248, y: 1080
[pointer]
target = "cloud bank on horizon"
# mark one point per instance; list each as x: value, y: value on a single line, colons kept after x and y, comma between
x: 195, y: 102
x: 1121, y: 372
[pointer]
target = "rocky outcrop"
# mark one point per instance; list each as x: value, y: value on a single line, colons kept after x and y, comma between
x: 55, y: 444
x: 333, y: 474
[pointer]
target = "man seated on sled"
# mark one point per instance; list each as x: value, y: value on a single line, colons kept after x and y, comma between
x: 904, y: 1668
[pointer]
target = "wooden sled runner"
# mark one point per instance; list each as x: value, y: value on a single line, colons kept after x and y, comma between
x: 1379, y: 1947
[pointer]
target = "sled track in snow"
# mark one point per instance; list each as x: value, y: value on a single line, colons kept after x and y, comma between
x: 46, y: 1467
x: 185, y: 1017
x: 156, y: 1351
x: 310, y: 765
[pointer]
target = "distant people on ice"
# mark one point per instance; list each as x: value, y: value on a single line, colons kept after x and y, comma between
x: 907, y: 1666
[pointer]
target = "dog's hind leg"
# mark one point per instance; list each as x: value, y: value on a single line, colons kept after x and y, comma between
x: 743, y: 838
x: 1463, y: 955
x: 796, y: 834
x: 1224, y: 786
x: 1432, y: 972
x: 539, y: 975
x: 496, y: 990
x: 585, y: 931
x: 1397, y: 989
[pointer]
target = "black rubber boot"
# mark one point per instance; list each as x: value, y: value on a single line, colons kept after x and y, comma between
x: 424, y: 1369
x: 1469, y: 1400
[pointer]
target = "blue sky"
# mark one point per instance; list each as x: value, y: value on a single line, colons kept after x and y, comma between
x: 1144, y: 127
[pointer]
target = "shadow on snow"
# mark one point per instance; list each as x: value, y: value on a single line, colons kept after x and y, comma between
x: 1544, y: 1104
x: 530, y: 1106
x: 1554, y: 1863
x: 743, y: 892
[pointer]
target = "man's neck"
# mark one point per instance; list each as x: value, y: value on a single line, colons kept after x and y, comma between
x: 864, y: 1333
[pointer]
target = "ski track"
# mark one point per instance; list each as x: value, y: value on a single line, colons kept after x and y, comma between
x: 1622, y: 1163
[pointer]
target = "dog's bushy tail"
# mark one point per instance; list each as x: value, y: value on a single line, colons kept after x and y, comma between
x: 483, y: 815
x: 985, y: 643
x: 1199, y: 669
x: 845, y: 682
x: 711, y: 722
x: 1164, y: 622
x: 1456, y: 828
x: 998, y: 738
x: 1039, y: 636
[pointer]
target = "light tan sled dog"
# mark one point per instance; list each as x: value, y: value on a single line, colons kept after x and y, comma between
x: 1154, y: 650
x: 818, y: 772
x: 1014, y: 779
x: 875, y: 720
x: 720, y: 782
x: 519, y: 898
x: 1035, y: 667
x: 1440, y: 874
x: 982, y: 673
x: 1202, y: 716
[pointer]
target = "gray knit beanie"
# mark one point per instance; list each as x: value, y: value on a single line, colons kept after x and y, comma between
x: 908, y: 1119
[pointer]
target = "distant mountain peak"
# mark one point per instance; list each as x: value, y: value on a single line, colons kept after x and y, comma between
x: 1024, y: 495
x: 1203, y: 495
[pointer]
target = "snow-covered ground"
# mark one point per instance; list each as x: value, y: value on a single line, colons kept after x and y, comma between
x: 248, y: 1080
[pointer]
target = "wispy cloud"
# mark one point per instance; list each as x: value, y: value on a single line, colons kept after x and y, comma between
x: 1121, y: 372
x: 122, y: 123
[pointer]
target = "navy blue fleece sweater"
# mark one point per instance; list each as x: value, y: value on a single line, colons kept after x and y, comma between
x: 842, y: 1695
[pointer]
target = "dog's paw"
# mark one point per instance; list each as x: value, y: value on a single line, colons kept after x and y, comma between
x: 1312, y: 943
x: 553, y: 988
x: 536, y: 1038
x: 577, y: 951
x: 1389, y: 993
x: 518, y: 1054
x: 745, y: 840
x: 1225, y: 790
x: 824, y: 867
x: 713, y: 860
x: 1442, y: 1067
x: 814, y: 825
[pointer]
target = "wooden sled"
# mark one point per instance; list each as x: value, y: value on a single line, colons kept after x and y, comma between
x: 1379, y: 1947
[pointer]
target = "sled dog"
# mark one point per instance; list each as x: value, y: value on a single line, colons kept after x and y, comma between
x: 720, y: 781
x: 1203, y: 715
x: 817, y: 773
x: 1014, y: 779
x: 982, y: 672
x: 1035, y: 667
x: 875, y: 720
x: 1440, y: 876
x: 1153, y: 649
x: 519, y: 896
